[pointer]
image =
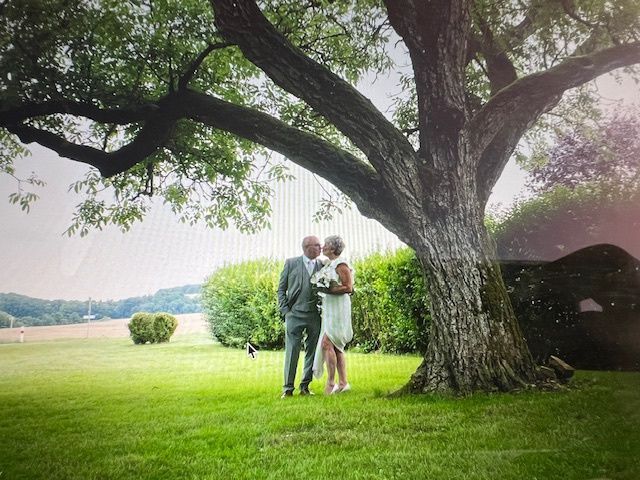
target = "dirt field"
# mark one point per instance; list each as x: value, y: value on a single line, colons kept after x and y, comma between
x: 187, y: 324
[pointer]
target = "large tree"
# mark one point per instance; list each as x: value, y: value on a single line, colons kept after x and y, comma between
x: 174, y: 95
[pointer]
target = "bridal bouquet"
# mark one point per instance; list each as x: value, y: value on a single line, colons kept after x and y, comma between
x: 324, y: 278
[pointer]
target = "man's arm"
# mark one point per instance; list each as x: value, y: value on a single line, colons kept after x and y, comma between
x: 282, y: 289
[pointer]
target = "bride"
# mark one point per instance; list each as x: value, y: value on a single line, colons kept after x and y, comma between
x: 336, y: 282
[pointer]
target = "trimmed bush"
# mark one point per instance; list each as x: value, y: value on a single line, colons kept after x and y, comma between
x: 152, y: 327
x: 390, y: 312
x: 141, y: 327
x: 164, y: 325
x: 240, y: 304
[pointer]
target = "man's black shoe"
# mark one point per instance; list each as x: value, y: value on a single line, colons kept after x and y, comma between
x: 287, y: 393
x: 305, y: 391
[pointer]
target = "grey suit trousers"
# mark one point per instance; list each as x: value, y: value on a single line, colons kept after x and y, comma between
x: 297, y: 324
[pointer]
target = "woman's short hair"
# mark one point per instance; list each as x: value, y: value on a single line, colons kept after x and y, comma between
x: 336, y: 243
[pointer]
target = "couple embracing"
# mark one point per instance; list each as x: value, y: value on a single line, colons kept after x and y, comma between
x: 303, y: 280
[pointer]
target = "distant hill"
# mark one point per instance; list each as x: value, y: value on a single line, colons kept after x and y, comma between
x: 30, y: 311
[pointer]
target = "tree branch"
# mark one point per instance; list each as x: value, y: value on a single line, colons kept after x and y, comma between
x: 499, y: 151
x: 152, y: 136
x: 355, y: 178
x: 121, y: 116
x: 570, y: 9
x: 242, y: 22
x: 531, y: 96
x: 435, y: 34
x: 511, y: 37
x: 500, y: 70
x: 193, y: 67
x: 519, y: 33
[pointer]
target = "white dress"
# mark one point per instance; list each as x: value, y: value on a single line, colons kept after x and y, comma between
x: 336, y: 319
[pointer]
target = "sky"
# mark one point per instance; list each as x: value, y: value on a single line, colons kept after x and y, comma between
x: 160, y: 252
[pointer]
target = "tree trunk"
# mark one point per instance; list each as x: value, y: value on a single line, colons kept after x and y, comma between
x: 475, y: 342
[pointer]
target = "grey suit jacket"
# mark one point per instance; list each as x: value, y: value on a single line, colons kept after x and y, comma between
x: 290, y: 283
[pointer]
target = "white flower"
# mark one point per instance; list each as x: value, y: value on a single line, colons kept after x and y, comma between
x: 324, y: 277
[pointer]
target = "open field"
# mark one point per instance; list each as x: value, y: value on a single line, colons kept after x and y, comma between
x: 103, y: 408
x: 187, y: 324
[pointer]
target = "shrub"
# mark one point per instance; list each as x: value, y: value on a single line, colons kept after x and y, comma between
x: 141, y: 327
x: 240, y: 305
x: 164, y: 325
x: 152, y: 327
x: 390, y: 312
x: 389, y: 308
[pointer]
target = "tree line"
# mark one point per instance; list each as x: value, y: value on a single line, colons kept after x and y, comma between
x: 28, y: 311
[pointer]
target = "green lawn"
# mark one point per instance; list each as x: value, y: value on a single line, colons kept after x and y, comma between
x: 106, y: 409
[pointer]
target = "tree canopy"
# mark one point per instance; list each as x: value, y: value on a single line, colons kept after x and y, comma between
x: 606, y: 152
x: 100, y: 82
x: 177, y: 98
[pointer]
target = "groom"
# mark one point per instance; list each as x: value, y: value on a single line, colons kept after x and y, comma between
x: 298, y: 305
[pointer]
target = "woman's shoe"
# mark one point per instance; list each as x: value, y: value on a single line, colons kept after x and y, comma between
x: 339, y: 389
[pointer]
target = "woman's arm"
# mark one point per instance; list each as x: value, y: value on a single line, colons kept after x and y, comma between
x: 346, y: 279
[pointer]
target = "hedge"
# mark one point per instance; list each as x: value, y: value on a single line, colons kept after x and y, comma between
x: 390, y: 313
x: 389, y: 310
x: 240, y: 305
x: 562, y: 220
